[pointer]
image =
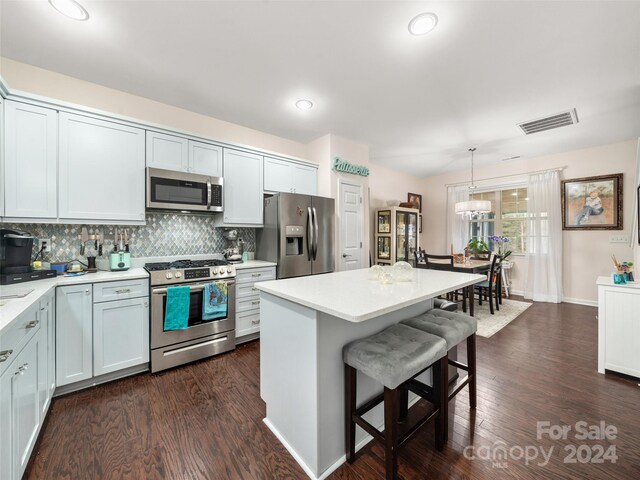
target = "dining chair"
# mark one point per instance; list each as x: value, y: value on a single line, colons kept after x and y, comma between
x: 445, y: 263
x: 490, y: 289
x: 420, y: 254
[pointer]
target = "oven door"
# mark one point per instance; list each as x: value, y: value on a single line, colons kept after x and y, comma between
x: 197, y: 327
x: 169, y: 190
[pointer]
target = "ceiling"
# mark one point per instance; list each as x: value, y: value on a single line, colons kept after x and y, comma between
x: 418, y: 102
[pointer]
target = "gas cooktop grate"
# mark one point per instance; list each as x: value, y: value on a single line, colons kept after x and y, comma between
x: 182, y: 264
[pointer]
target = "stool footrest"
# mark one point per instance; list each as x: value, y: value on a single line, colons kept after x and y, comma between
x: 459, y: 385
x: 367, y: 427
x: 420, y: 389
x: 459, y: 365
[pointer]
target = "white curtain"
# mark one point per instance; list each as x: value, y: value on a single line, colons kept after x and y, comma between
x: 544, y: 239
x: 457, y: 225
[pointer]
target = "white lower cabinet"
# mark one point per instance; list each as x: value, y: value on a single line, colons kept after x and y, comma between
x: 120, y: 334
x: 22, y: 390
x: 618, y: 327
x: 74, y: 334
x: 248, y: 301
x: 101, y: 329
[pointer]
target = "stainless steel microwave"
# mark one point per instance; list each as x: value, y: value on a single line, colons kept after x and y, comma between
x: 186, y: 192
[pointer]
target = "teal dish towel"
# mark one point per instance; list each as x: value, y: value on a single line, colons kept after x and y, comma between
x: 214, y: 301
x: 176, y: 312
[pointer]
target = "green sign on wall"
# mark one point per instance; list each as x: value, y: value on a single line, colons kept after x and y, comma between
x: 340, y: 165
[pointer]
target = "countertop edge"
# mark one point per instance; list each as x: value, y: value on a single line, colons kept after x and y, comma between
x: 17, y: 306
x: 359, y: 318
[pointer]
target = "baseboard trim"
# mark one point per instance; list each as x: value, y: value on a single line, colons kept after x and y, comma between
x: 580, y: 301
x: 577, y: 301
x: 337, y: 463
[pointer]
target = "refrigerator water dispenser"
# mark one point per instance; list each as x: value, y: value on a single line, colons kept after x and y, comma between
x: 294, y: 235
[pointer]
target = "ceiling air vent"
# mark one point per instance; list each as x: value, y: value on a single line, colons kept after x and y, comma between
x: 547, y: 123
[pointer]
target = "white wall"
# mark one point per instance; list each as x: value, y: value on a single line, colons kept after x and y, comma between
x: 34, y: 80
x: 587, y: 253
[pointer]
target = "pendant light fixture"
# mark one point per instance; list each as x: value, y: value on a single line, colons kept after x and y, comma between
x: 473, y: 207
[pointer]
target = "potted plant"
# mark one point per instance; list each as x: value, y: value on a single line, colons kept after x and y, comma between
x: 501, y: 243
x: 477, y: 246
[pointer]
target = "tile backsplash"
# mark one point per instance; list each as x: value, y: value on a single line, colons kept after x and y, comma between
x: 163, y: 235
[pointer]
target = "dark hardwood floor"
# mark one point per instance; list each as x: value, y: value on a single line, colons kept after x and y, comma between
x: 204, y: 421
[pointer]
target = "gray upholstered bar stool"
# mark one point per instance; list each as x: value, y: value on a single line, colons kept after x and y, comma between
x: 454, y: 328
x: 394, y: 357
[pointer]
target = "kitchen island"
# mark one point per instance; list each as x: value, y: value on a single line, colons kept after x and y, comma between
x: 305, y: 322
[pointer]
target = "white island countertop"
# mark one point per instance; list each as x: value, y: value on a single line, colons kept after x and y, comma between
x: 353, y: 297
x: 11, y: 308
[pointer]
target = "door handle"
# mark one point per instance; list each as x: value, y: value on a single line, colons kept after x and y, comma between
x: 316, y: 235
x: 310, y: 234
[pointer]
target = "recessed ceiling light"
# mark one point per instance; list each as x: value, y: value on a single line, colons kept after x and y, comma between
x: 71, y: 9
x: 304, y: 104
x: 423, y: 23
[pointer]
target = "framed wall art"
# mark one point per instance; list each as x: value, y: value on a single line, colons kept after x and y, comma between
x: 592, y: 203
x: 416, y: 200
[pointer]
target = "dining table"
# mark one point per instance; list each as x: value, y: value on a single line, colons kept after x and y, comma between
x: 471, y: 265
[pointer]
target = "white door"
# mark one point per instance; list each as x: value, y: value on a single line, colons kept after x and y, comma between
x: 205, y: 159
x: 305, y: 179
x: 278, y: 175
x: 243, y: 200
x: 167, y: 151
x: 101, y: 170
x: 351, y: 226
x: 120, y: 334
x: 31, y: 139
x: 74, y: 326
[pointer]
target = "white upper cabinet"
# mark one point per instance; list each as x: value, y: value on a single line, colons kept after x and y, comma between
x: 101, y: 170
x: 243, y: 200
x: 182, y: 155
x: 305, y: 179
x: 167, y: 151
x: 1, y: 158
x: 205, y: 159
x: 30, y: 154
x: 284, y: 176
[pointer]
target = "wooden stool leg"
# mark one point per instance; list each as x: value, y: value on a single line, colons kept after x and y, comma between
x: 391, y: 407
x: 441, y: 400
x: 471, y: 362
x: 350, y: 376
x: 404, y: 404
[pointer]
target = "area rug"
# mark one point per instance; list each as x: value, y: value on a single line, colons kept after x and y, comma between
x: 490, y: 324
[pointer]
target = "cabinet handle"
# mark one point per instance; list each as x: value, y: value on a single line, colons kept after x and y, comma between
x: 254, y: 289
x: 255, y: 322
x: 22, y: 369
x: 32, y: 324
x: 146, y: 304
x: 4, y: 355
x: 87, y: 292
x: 256, y: 302
x: 256, y: 274
x: 123, y: 290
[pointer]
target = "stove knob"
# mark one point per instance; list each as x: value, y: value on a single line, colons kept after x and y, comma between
x: 178, y: 274
x: 169, y: 275
x: 214, y: 270
x: 229, y: 269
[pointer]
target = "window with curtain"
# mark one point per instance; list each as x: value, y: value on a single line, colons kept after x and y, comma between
x: 508, y: 218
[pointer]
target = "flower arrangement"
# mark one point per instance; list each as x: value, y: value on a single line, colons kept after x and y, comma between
x: 501, y: 243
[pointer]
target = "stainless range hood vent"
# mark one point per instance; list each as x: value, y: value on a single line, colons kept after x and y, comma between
x: 563, y: 119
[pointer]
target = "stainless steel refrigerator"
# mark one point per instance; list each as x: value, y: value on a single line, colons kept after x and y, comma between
x: 298, y: 234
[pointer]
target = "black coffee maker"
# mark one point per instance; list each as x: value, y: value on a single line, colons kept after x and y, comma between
x: 15, y: 258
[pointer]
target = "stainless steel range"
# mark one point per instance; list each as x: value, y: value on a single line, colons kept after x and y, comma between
x: 202, y: 338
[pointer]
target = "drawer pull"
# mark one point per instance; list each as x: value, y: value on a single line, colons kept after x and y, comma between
x: 32, y: 324
x: 255, y: 322
x: 256, y: 274
x: 22, y: 369
x: 123, y: 290
x: 256, y: 302
x: 5, y: 354
x: 87, y: 292
x: 254, y: 289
